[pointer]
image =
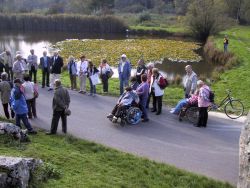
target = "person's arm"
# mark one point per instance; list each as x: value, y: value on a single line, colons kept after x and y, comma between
x: 140, y: 90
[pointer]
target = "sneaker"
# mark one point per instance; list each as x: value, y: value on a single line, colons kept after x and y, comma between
x: 110, y: 116
x: 145, y: 120
x: 49, y: 133
x: 89, y: 94
x: 50, y: 89
x: 172, y: 111
x: 32, y: 132
x: 80, y: 91
x: 114, y: 120
x: 84, y: 92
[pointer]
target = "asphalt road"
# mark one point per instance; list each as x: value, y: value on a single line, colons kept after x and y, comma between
x: 211, y: 151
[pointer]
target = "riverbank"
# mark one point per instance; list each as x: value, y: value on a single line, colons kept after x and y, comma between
x: 81, y: 163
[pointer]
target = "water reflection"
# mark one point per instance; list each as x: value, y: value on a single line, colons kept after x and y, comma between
x: 41, y: 41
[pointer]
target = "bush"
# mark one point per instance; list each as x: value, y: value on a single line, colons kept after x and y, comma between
x: 144, y: 17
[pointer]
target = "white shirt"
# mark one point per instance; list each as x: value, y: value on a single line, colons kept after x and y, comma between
x: 28, y: 88
x: 104, y: 69
x: 82, y: 67
x: 123, y: 63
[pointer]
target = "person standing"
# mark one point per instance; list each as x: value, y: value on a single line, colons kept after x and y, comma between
x: 104, y: 71
x: 32, y: 64
x: 18, y: 104
x: 56, y: 69
x: 72, y: 69
x: 150, y: 67
x: 91, y: 71
x: 225, y: 43
x: 45, y: 64
x: 28, y: 89
x: 142, y: 91
x: 140, y: 70
x: 157, y: 92
x: 190, y: 81
x: 82, y: 74
x: 8, y: 63
x: 61, y: 101
x: 203, y: 103
x: 5, y: 90
x: 124, y: 70
x: 18, y: 69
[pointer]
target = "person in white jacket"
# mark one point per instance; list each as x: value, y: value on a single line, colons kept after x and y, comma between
x: 82, y: 74
x: 190, y: 81
x: 157, y: 92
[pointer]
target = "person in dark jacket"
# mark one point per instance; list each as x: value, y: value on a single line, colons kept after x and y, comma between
x: 56, y: 69
x: 60, y: 103
x: 45, y: 64
x: 72, y: 69
x: 140, y: 70
x: 124, y: 71
x: 18, y: 104
x: 133, y: 83
x: 91, y: 71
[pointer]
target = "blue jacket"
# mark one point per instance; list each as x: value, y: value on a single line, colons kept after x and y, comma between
x: 126, y: 70
x: 18, y: 101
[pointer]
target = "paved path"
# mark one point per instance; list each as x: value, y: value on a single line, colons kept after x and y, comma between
x: 212, y: 151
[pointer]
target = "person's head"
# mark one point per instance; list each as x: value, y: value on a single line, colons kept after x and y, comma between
x: 200, y: 83
x: 104, y: 62
x: 45, y: 53
x: 7, y: 52
x: 150, y: 66
x: 123, y: 57
x: 188, y: 69
x: 32, y: 51
x: 83, y: 58
x: 4, y: 76
x: 26, y: 78
x: 55, y: 54
x: 19, y: 57
x: 128, y: 89
x: 17, y: 82
x: 133, y: 79
x: 90, y: 64
x: 71, y: 58
x: 144, y: 78
x: 140, y: 62
x: 155, y: 71
x: 57, y: 83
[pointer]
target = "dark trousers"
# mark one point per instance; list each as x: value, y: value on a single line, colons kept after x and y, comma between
x: 31, y: 103
x: 148, y: 101
x: 92, y: 87
x: 105, y: 82
x: 45, y: 75
x: 117, y: 110
x: 6, y: 111
x: 25, y: 121
x: 203, y: 116
x: 157, y: 103
x: 143, y: 108
x: 9, y: 71
x: 73, y: 81
x: 55, y: 120
x: 31, y: 72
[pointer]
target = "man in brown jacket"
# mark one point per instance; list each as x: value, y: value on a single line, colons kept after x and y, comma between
x: 60, y: 103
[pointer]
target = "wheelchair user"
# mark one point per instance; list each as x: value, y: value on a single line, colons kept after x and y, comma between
x: 128, y: 98
x: 191, y: 101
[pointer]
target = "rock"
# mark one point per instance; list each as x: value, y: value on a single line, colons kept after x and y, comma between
x: 18, y: 170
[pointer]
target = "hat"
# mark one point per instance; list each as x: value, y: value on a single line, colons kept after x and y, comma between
x: 123, y: 55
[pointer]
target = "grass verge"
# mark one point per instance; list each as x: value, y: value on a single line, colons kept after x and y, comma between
x: 81, y: 163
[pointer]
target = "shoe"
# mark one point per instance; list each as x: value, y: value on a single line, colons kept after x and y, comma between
x: 197, y: 125
x: 49, y: 133
x: 158, y: 113
x: 42, y: 86
x: 93, y: 95
x: 114, y: 120
x: 153, y: 110
x: 110, y: 116
x: 84, y: 92
x: 145, y: 120
x: 80, y: 91
x: 50, y: 89
x: 89, y: 94
x: 32, y: 132
x: 172, y: 111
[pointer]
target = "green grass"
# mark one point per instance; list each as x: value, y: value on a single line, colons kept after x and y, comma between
x: 238, y: 78
x: 170, y: 29
x: 80, y: 163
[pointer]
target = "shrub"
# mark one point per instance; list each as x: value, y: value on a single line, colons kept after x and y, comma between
x: 144, y: 17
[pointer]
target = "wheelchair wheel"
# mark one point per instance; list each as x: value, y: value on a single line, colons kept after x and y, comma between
x: 192, y: 114
x: 133, y: 115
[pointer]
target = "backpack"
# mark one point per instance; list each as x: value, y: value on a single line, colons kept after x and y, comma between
x: 163, y: 83
x: 211, y: 96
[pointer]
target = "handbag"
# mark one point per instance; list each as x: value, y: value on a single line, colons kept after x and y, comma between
x: 110, y: 73
x: 67, y: 112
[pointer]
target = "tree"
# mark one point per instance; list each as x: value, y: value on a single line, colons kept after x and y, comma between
x: 206, y: 17
x: 181, y: 6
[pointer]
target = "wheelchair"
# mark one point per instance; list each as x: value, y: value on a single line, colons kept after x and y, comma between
x: 130, y: 115
x: 190, y: 112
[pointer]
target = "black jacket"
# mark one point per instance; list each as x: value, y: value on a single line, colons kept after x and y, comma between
x: 57, y: 65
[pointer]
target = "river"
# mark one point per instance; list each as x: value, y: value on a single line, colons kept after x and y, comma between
x: 41, y: 41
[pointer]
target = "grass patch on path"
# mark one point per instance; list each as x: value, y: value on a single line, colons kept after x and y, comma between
x: 238, y: 78
x: 86, y: 164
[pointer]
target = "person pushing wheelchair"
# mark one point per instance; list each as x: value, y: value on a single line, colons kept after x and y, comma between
x: 128, y: 98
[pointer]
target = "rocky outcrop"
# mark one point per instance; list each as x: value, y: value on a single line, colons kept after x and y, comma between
x: 15, y: 172
x: 244, y: 160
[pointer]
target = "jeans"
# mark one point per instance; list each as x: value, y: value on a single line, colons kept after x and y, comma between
x: 123, y: 83
x: 225, y: 47
x: 25, y: 121
x: 179, y: 106
x: 92, y: 87
x: 55, y: 121
x: 33, y: 71
x: 31, y: 104
x: 143, y: 104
